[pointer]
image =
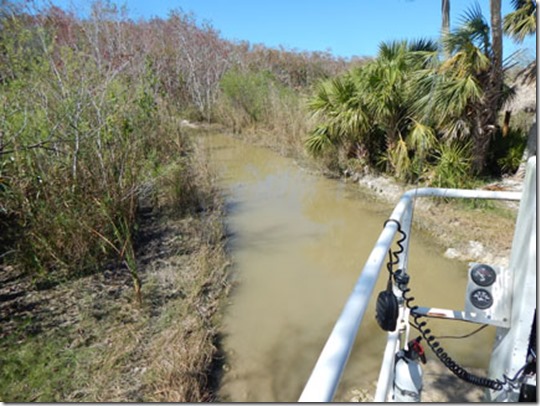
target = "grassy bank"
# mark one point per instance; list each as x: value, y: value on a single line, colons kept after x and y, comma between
x: 111, y: 256
x: 89, y: 339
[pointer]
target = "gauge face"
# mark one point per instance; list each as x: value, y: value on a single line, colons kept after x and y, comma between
x: 481, y: 299
x: 483, y: 275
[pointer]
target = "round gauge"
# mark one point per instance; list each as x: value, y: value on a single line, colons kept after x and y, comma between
x: 481, y: 299
x: 483, y: 275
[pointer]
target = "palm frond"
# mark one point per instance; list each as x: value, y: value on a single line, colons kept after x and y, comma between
x: 421, y: 138
x: 468, y: 61
x: 318, y: 141
x: 423, y: 45
x: 522, y: 21
x: 332, y: 95
x: 391, y: 49
x: 473, y: 30
x: 453, y: 166
x: 456, y: 94
x: 528, y: 74
x: 320, y: 102
x: 399, y: 159
x: 456, y: 129
x: 425, y: 84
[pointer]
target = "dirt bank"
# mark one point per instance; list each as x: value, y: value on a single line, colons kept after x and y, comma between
x: 474, y: 232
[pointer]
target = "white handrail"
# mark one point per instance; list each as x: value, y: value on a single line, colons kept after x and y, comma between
x: 327, y: 372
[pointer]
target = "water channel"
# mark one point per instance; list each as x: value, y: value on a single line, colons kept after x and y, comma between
x: 298, y: 243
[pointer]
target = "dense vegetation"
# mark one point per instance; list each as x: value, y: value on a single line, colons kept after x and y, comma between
x: 420, y: 116
x: 103, y: 191
x: 91, y: 112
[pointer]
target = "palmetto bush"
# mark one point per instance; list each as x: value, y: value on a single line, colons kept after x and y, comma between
x: 430, y: 111
x: 372, y: 107
x: 452, y: 167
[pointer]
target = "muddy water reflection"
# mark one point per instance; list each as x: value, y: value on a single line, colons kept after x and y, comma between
x: 299, y: 242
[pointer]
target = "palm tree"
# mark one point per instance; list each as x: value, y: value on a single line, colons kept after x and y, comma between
x: 340, y: 113
x: 467, y: 94
x: 519, y: 24
x: 445, y: 12
x: 372, y: 100
x: 522, y: 21
x: 497, y: 50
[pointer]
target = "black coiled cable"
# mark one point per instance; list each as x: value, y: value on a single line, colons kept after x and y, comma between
x: 395, y: 254
x: 442, y: 355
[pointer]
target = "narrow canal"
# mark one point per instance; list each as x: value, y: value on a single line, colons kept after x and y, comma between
x: 298, y: 243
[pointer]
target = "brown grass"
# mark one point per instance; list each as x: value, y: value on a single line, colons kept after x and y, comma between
x: 181, y: 357
x: 166, y: 348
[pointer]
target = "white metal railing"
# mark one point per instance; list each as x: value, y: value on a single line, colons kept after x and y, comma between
x: 327, y: 372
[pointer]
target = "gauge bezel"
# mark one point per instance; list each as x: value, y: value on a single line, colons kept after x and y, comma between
x: 481, y: 306
x: 491, y: 273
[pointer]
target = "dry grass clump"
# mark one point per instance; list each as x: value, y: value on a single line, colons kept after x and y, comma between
x: 168, y: 350
x: 183, y: 356
x: 163, y: 352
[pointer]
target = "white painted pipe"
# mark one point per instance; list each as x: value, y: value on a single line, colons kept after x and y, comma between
x: 327, y: 372
x: 324, y: 379
x: 386, y: 375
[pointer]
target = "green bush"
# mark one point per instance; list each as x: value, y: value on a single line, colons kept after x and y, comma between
x: 248, y: 93
x: 80, y: 139
x: 452, y: 167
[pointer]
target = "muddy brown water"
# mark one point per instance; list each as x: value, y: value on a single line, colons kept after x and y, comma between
x: 299, y: 242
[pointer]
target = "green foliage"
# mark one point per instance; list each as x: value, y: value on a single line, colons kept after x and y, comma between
x: 522, y: 21
x: 376, y: 101
x: 89, y: 114
x: 429, y: 111
x: 398, y: 160
x: 452, y: 167
x: 257, y: 102
x: 37, y: 370
x: 248, y: 92
x: 319, y: 140
x: 342, y: 114
x: 506, y: 152
x: 82, y: 135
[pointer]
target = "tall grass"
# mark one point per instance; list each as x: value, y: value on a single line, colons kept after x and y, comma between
x: 257, y: 105
x: 84, y: 129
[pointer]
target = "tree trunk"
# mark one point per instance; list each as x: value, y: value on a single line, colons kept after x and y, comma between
x: 488, y: 114
x: 483, y: 133
x: 497, y: 49
x: 445, y: 14
x: 445, y: 25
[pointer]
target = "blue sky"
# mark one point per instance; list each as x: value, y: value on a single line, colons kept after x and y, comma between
x: 343, y: 27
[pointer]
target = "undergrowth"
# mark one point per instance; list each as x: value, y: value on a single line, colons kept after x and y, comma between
x: 165, y: 347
